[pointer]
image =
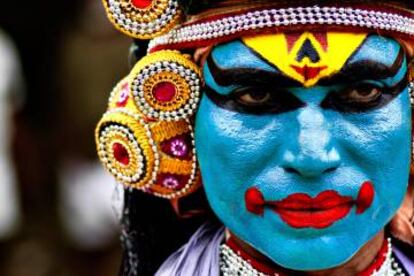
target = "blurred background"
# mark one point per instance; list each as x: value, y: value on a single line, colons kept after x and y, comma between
x: 58, y: 208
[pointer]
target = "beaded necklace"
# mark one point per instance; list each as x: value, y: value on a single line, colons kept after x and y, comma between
x: 233, y: 264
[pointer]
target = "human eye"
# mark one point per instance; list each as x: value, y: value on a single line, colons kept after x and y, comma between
x: 256, y: 100
x: 250, y: 97
x: 361, y: 97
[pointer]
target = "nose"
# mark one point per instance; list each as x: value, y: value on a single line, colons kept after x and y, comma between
x: 311, y: 152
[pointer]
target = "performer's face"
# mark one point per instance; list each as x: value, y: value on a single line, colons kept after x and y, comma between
x: 304, y: 142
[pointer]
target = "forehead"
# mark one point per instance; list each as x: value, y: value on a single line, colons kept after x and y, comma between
x: 306, y: 57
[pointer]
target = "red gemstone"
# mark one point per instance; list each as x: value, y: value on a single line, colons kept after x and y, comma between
x: 120, y: 153
x: 141, y: 4
x: 164, y: 91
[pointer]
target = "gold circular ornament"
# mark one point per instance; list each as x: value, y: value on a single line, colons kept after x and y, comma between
x: 166, y: 86
x: 155, y: 156
x: 143, y: 19
x: 126, y: 149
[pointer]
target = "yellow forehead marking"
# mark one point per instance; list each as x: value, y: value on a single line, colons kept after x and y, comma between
x: 306, y: 57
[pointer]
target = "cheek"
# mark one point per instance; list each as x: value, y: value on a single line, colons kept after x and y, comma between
x: 378, y: 143
x: 233, y: 148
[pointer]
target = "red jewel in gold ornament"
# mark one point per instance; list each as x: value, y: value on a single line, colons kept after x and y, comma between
x: 126, y: 148
x: 164, y: 91
x: 121, y: 153
x: 141, y: 4
x: 166, y: 86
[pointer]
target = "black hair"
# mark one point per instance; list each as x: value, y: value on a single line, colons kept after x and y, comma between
x: 151, y: 231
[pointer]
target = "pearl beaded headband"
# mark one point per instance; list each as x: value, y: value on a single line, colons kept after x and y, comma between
x: 213, y: 29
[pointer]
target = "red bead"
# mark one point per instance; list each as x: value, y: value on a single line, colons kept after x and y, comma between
x: 164, y: 91
x: 120, y: 153
x: 141, y: 4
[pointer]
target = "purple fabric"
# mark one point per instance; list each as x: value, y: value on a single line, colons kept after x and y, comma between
x: 407, y: 263
x: 199, y: 257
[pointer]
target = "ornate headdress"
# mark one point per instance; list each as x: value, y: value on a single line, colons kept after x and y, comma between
x: 145, y: 139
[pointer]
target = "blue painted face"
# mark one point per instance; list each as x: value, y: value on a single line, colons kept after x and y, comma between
x: 305, y: 175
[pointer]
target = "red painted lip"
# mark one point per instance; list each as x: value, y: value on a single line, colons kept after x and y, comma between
x: 302, y: 211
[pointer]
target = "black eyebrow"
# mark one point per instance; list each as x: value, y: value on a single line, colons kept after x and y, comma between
x: 350, y: 73
x: 364, y: 70
x: 248, y: 76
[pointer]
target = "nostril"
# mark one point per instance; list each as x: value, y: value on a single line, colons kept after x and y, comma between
x: 292, y: 170
x: 308, y: 171
x: 312, y: 163
x: 330, y: 170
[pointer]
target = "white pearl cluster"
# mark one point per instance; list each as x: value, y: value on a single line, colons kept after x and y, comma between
x: 231, y: 264
x: 390, y: 267
x: 394, y: 271
x: 127, y: 134
x: 268, y: 18
x: 182, y: 112
x: 142, y: 27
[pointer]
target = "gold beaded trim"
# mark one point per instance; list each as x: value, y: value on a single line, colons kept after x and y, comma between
x: 180, y: 85
x: 163, y: 130
x: 134, y: 135
x: 117, y: 137
x: 174, y: 166
x: 166, y: 56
